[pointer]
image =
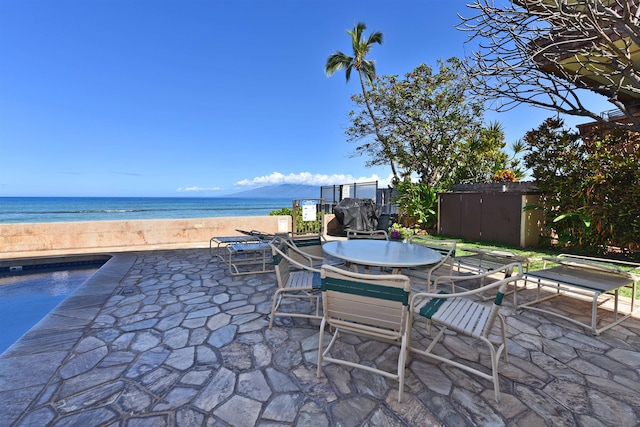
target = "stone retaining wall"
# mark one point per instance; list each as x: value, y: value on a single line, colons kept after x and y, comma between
x: 39, y: 239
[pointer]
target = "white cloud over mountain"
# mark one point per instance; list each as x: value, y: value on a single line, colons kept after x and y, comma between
x: 307, y: 178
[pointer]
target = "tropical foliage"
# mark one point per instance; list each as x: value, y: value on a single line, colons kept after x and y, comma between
x: 591, y: 186
x: 423, y: 126
x: 418, y: 204
x: 486, y: 159
x: 426, y: 126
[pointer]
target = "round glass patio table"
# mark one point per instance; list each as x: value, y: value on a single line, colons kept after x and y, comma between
x: 382, y: 253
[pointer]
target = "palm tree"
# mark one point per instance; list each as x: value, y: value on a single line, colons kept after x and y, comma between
x: 366, y: 70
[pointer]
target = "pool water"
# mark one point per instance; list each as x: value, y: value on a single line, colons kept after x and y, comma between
x: 26, y: 298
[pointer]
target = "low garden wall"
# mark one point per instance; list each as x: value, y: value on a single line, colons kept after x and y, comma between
x: 43, y: 239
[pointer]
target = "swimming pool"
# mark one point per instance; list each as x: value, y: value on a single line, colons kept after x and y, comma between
x: 30, y: 292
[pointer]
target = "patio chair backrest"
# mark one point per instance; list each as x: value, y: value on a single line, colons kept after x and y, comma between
x: 281, y: 260
x: 301, y: 246
x: 306, y: 241
x: 370, y: 304
x: 447, y: 249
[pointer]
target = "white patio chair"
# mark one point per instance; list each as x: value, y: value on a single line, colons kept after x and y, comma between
x: 456, y: 312
x: 295, y: 279
x: 426, y: 276
x: 372, y: 306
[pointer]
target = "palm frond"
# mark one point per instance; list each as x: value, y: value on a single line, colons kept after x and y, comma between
x: 375, y: 38
x: 339, y: 60
x: 368, y: 68
x: 356, y: 34
x: 348, y: 71
x: 336, y: 62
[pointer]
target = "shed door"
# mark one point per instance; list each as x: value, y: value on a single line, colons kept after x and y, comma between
x: 449, y: 217
x: 471, y: 221
x: 501, y: 214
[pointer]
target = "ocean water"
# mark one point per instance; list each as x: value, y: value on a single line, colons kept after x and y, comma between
x: 69, y: 209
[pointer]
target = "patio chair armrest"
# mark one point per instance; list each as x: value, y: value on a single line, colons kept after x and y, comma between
x: 507, y: 268
x: 417, y: 298
x: 313, y: 259
x: 318, y: 261
x: 311, y: 267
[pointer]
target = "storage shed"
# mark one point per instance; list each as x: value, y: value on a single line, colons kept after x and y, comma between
x: 492, y: 212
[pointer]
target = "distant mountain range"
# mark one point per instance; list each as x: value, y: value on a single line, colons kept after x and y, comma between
x: 282, y: 191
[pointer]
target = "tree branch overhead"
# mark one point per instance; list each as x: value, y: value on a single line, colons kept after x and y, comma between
x: 547, y: 52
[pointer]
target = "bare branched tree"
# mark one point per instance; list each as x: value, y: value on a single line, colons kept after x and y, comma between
x: 547, y: 52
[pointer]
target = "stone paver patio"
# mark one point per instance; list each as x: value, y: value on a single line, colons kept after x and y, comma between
x: 169, y: 338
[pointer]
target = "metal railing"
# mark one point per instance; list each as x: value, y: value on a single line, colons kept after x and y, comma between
x: 334, y: 194
x: 612, y: 114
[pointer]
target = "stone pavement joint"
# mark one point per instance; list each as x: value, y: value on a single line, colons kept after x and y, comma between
x: 169, y: 338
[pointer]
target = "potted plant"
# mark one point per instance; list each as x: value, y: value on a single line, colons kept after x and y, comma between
x: 399, y: 232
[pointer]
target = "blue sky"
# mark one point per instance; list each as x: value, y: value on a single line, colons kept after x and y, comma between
x: 199, y: 98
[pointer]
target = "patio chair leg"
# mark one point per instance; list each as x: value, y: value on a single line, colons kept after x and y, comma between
x: 495, y: 357
x: 277, y: 299
x: 402, y: 362
x: 504, y: 340
x: 320, y: 353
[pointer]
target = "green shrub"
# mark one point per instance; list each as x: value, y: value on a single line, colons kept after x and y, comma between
x: 590, y: 187
x: 283, y: 211
x: 418, y: 204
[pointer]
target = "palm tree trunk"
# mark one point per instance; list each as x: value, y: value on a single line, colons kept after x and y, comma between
x: 376, y: 126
